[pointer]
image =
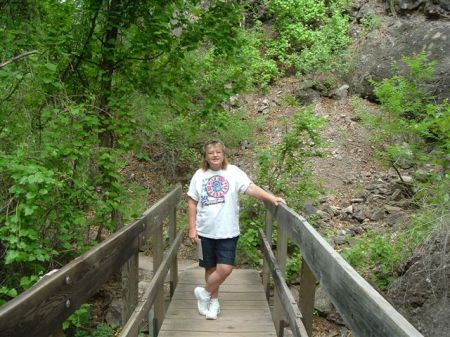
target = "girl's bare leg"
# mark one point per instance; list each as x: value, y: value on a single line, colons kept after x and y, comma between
x: 214, y: 277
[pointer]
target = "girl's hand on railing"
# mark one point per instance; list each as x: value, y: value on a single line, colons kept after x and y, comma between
x: 277, y: 200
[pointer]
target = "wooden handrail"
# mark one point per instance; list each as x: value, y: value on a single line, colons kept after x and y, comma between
x: 363, y: 309
x: 42, y: 309
x: 133, y: 325
x: 294, y: 316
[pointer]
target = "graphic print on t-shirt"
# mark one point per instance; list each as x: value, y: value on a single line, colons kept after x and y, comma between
x: 216, y: 187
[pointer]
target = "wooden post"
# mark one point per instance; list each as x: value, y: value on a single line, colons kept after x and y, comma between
x: 172, y: 236
x: 129, y: 275
x: 281, y: 259
x: 266, y: 270
x: 306, y: 296
x: 150, y: 321
x: 158, y: 252
x: 130, y: 280
x: 144, y: 236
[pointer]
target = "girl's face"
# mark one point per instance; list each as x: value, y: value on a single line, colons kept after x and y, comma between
x: 215, y: 156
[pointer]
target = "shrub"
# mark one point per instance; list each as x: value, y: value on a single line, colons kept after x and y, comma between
x: 414, y: 129
x: 309, y: 33
x: 283, y: 171
x: 375, y: 254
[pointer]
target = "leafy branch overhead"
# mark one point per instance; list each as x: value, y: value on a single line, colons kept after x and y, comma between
x: 84, y: 82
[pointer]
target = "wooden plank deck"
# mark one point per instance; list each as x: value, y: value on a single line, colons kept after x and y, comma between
x: 244, y: 309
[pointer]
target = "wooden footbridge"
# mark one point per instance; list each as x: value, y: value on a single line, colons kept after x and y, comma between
x: 41, y: 310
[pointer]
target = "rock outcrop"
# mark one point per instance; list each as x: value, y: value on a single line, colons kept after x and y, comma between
x: 422, y: 294
x: 378, y: 54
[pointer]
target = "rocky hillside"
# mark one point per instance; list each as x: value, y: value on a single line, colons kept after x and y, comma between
x: 385, y: 31
x: 361, y: 194
x: 406, y: 28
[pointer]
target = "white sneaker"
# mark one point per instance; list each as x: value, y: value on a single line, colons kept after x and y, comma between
x: 203, y: 299
x: 214, y: 309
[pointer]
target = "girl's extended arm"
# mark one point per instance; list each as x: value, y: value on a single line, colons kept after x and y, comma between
x: 257, y: 192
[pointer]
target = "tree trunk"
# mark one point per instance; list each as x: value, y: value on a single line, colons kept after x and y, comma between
x: 107, y: 66
x: 107, y: 71
x: 129, y: 274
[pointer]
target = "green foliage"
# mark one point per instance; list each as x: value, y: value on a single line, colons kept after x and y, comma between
x: 82, y: 84
x: 7, y: 293
x: 260, y: 70
x: 413, y: 129
x: 79, y: 319
x: 182, y: 116
x: 293, y: 266
x: 378, y: 256
x: 411, y: 120
x: 377, y: 253
x: 290, y: 100
x: 283, y: 170
x: 49, y: 190
x: 248, y: 244
x: 309, y: 33
x: 101, y: 330
x: 371, y: 22
x: 72, y: 109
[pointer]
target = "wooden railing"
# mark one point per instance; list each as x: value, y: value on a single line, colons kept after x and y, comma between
x: 41, y: 310
x: 363, y: 309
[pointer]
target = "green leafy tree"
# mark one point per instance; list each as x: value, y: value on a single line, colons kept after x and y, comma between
x: 72, y: 73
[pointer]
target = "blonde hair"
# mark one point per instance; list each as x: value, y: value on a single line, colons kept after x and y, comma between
x: 205, y: 164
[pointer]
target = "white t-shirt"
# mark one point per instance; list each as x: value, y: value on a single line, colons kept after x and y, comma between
x: 217, y: 196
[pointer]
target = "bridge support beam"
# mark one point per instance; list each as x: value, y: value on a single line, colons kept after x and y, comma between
x: 306, y: 296
x: 158, y: 255
x: 278, y: 313
x: 172, y: 237
x: 266, y: 268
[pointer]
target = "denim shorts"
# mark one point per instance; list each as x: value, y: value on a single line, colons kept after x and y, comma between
x: 216, y: 251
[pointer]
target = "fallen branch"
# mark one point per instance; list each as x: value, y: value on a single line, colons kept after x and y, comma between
x: 409, y: 189
x: 18, y: 57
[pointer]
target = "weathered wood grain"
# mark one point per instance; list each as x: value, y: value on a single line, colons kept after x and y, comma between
x: 172, y: 237
x: 132, y: 327
x: 266, y: 271
x: 224, y: 288
x: 226, y: 312
x: 129, y: 284
x: 306, y: 295
x: 42, y: 309
x: 244, y: 309
x: 286, y: 305
x: 237, y: 277
x: 216, y: 334
x: 155, y: 215
x: 364, y: 310
x: 228, y: 295
x: 158, y: 255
